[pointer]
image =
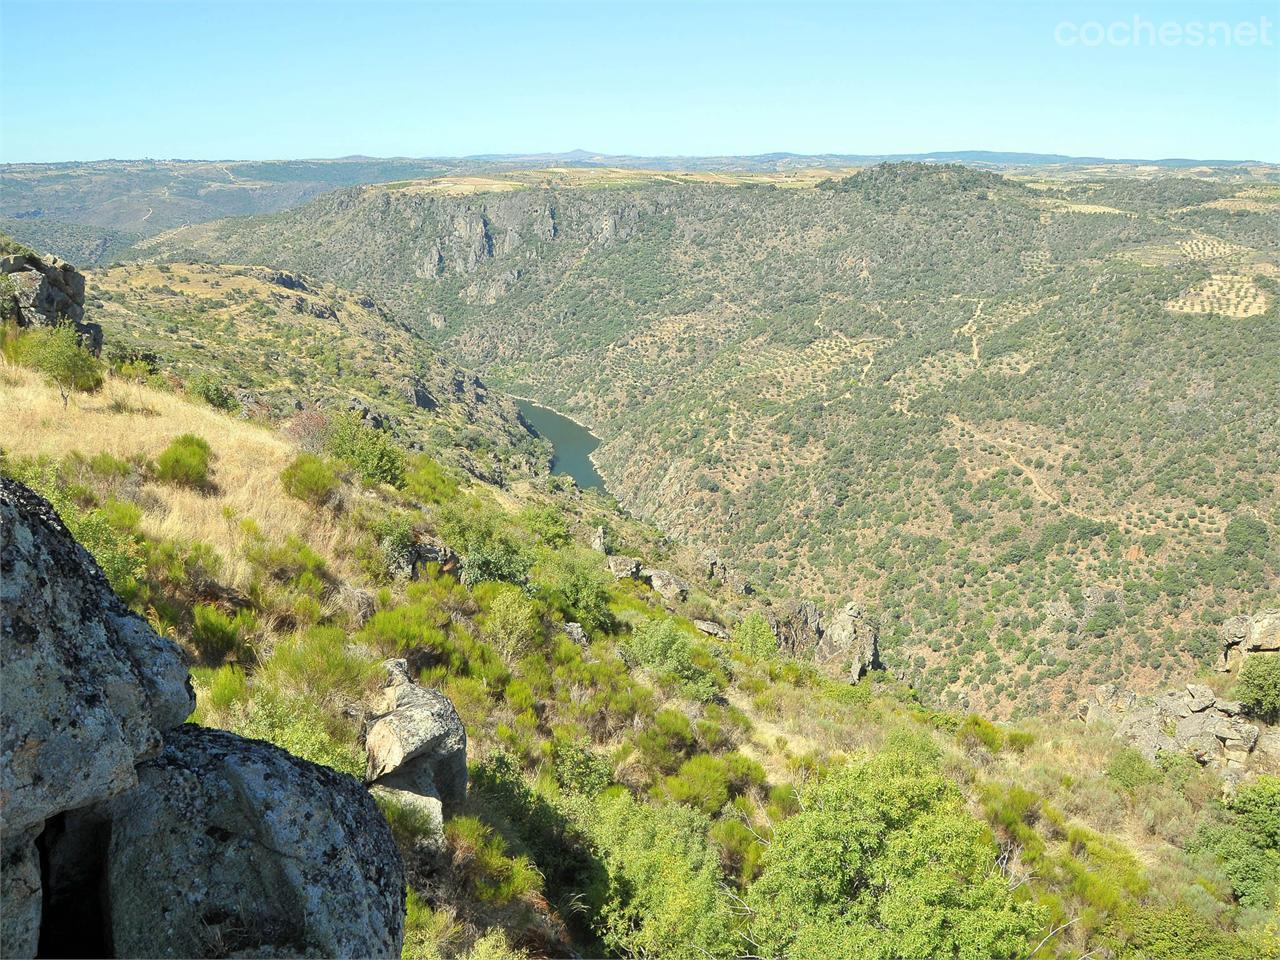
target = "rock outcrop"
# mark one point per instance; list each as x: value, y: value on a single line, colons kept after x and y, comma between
x: 624, y: 568
x: 230, y: 846
x: 670, y: 587
x: 1245, y: 635
x: 127, y: 831
x: 48, y: 291
x: 1192, y: 720
x: 711, y: 629
x: 416, y: 746
x: 847, y: 643
x: 850, y: 640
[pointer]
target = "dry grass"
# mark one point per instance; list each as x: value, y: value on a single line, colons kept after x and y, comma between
x: 125, y: 419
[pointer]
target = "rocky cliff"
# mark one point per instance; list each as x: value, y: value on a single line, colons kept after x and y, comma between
x: 130, y: 833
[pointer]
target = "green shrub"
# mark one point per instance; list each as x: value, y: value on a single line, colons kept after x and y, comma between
x: 213, y: 392
x: 428, y: 482
x: 1258, y: 686
x: 319, y: 664
x: 700, y: 783
x: 755, y: 639
x: 310, y: 479
x: 214, y: 633
x: 663, y: 896
x: 576, y: 584
x: 511, y: 622
x: 1129, y: 770
x: 115, y: 549
x: 547, y: 524
x: 227, y: 685
x: 976, y: 730
x: 302, y: 728
x: 481, y: 856
x: 185, y: 462
x: 373, y: 455
x: 577, y: 768
x: 105, y: 465
x: 883, y: 860
x: 675, y: 655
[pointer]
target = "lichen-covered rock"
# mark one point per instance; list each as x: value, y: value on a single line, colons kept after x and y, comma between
x: 416, y: 745
x: 20, y: 895
x: 88, y: 686
x: 797, y: 626
x: 230, y: 846
x: 711, y: 629
x: 1192, y: 720
x: 624, y: 568
x: 846, y: 643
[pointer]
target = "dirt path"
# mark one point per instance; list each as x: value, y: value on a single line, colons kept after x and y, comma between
x: 1045, y: 492
x: 970, y: 330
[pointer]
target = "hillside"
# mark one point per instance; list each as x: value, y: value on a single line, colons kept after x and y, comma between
x: 1022, y: 419
x: 638, y: 786
x: 269, y: 343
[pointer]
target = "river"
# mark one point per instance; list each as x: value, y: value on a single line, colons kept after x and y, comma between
x: 571, y: 441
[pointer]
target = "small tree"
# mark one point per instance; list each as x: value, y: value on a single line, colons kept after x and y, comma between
x: 1258, y: 688
x: 60, y: 356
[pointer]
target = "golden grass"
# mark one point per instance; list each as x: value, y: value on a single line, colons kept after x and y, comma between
x: 247, y: 467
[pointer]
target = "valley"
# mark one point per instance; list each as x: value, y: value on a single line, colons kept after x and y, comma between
x: 1016, y: 416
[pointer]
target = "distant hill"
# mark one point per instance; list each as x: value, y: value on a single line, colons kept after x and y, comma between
x: 85, y: 211
x: 1020, y: 417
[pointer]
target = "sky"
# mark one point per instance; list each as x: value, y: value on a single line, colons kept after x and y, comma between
x: 279, y: 79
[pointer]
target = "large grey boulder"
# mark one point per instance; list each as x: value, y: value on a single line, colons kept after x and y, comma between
x: 624, y: 568
x: 49, y: 291
x: 416, y: 746
x: 124, y: 829
x: 230, y: 846
x: 86, y: 690
x: 670, y: 587
x: 88, y: 687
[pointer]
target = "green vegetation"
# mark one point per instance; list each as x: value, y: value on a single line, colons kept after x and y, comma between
x: 59, y: 354
x: 186, y: 462
x: 310, y: 479
x: 1258, y: 687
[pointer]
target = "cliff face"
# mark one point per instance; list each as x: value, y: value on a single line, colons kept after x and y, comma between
x: 126, y: 830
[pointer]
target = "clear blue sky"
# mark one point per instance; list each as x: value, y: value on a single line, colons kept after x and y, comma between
x: 279, y: 79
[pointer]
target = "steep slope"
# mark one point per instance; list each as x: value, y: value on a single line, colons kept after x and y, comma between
x: 895, y: 385
x: 286, y: 342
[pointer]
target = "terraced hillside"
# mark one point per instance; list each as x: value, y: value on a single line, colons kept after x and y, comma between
x: 1030, y: 422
